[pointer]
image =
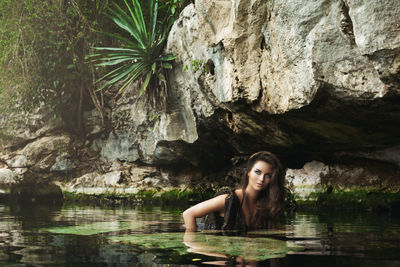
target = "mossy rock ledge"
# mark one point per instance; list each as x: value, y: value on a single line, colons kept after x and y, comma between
x: 352, y: 199
x: 372, y: 199
x: 175, y: 196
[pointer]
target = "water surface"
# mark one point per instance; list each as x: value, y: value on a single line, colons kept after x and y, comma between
x: 70, y: 235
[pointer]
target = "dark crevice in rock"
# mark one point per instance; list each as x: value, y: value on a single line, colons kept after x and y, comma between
x: 209, y: 67
x: 330, y: 125
x: 346, y: 24
x: 207, y: 91
x: 214, y: 145
x: 263, y: 44
x: 220, y: 46
x: 325, y: 127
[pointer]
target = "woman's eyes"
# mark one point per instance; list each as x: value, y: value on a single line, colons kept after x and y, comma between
x: 267, y: 175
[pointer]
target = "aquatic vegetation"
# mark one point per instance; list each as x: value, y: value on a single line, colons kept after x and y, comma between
x: 260, y: 248
x: 95, y: 228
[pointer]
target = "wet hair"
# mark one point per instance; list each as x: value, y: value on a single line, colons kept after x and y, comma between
x: 270, y: 200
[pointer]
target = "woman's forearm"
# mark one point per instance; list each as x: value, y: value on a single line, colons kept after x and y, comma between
x: 215, y: 204
x: 190, y: 220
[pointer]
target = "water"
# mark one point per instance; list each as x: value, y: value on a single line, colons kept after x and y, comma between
x: 98, y: 236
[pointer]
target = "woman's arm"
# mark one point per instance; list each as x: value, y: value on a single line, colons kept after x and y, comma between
x: 216, y: 204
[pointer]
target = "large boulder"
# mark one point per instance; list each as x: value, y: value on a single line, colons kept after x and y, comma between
x: 20, y: 127
x: 43, y: 154
x: 318, y: 177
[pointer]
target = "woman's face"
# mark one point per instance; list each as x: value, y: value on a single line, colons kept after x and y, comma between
x: 260, y: 175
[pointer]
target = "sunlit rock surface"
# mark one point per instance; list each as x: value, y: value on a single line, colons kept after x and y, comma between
x: 41, y: 154
x: 125, y: 179
x: 317, y: 177
x: 307, y: 180
x: 20, y: 127
x: 33, y: 164
x: 7, y: 178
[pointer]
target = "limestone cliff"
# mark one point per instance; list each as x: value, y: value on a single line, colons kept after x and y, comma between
x: 312, y: 81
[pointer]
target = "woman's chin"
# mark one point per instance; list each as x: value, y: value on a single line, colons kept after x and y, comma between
x: 258, y: 187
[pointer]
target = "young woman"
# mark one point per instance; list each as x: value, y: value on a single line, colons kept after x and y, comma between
x: 253, y: 206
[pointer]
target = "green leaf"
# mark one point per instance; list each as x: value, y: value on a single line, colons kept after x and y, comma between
x: 168, y: 57
x: 167, y: 66
x: 162, y: 77
x: 127, y: 23
x: 153, y: 67
x: 145, y: 83
x: 122, y: 39
x: 153, y: 17
x: 137, y: 16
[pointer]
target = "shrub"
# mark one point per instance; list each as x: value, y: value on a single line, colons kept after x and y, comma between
x: 141, y: 55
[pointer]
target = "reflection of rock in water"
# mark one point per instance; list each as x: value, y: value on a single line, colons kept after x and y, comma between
x: 37, y: 193
x: 37, y: 254
x: 10, y: 235
x: 32, y: 215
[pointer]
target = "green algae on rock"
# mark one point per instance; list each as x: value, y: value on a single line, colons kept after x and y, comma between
x: 95, y: 228
x: 363, y: 199
x: 260, y: 248
x: 172, y: 196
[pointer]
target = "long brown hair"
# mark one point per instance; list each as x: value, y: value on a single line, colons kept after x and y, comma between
x: 270, y: 200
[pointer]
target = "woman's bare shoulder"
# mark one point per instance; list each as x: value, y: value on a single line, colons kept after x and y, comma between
x: 239, y: 193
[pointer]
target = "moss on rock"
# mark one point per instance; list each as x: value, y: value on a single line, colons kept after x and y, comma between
x: 361, y: 199
x: 153, y: 196
x: 343, y: 199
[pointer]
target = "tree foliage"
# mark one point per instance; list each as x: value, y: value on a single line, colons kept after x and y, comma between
x: 43, y: 44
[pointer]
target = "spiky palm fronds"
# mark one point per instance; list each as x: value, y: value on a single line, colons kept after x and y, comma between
x: 141, y: 57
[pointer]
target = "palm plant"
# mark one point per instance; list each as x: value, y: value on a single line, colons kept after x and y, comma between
x: 141, y: 55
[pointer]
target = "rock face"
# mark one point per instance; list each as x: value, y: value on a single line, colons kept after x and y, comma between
x: 317, y: 177
x: 325, y: 66
x: 49, y: 152
x: 19, y: 128
x: 316, y: 82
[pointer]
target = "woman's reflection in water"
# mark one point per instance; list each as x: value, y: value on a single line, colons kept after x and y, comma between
x: 195, y: 245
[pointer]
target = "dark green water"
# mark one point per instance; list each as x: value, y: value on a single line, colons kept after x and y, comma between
x: 37, y: 235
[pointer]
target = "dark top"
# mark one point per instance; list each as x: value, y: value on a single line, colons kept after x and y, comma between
x: 233, y: 216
